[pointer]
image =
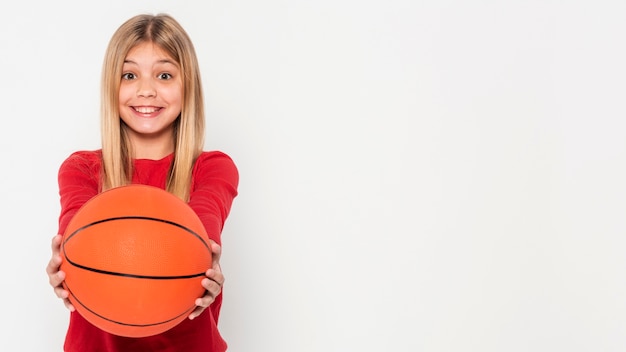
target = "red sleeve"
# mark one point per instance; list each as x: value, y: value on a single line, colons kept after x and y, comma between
x: 214, y: 186
x: 78, y: 181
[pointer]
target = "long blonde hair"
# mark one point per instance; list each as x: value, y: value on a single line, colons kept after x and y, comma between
x: 165, y: 32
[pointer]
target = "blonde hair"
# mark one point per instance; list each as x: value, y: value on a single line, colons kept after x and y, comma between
x: 165, y: 32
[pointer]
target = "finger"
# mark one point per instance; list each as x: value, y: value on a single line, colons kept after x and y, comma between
x: 213, y: 286
x: 196, y: 312
x: 53, y: 265
x: 69, y: 305
x: 61, y: 292
x: 212, y: 290
x: 55, y: 279
x: 56, y: 244
x: 216, y: 251
x: 216, y: 276
x: 206, y: 300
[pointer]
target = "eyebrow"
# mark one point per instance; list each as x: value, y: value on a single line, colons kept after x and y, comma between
x: 163, y: 61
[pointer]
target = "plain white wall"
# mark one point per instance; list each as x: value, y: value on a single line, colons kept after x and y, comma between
x: 415, y: 175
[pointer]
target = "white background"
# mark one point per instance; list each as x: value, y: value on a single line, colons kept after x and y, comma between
x: 415, y: 175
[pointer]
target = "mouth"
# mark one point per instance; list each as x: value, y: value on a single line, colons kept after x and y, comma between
x: 146, y: 109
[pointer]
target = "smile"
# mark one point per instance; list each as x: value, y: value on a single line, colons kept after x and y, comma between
x: 146, y: 109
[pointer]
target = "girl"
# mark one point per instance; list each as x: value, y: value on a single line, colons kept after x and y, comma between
x: 152, y: 115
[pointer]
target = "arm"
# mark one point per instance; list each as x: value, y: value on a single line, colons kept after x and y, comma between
x: 78, y: 182
x: 214, y: 186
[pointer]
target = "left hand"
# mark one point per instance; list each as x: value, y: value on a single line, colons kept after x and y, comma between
x: 213, y: 282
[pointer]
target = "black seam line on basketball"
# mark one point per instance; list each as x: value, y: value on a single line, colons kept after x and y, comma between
x: 122, y: 323
x: 133, y: 217
x: 135, y: 276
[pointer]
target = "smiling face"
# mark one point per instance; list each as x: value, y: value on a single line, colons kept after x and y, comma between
x: 150, y: 99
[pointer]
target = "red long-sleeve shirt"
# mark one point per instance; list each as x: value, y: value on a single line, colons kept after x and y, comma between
x: 214, y: 186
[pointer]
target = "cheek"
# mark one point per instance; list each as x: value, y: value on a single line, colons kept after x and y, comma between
x: 124, y: 94
x: 173, y: 95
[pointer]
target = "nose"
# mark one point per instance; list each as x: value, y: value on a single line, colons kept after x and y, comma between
x: 145, y: 88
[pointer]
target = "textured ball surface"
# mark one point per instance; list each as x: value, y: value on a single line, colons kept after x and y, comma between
x: 134, y: 258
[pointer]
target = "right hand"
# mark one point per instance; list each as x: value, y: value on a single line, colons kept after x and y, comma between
x: 56, y: 276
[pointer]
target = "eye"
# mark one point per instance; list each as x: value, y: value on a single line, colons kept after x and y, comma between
x: 128, y: 76
x: 165, y: 76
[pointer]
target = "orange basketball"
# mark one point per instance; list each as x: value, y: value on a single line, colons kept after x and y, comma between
x: 134, y: 257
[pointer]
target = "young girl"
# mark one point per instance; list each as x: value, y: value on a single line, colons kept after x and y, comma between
x: 152, y: 114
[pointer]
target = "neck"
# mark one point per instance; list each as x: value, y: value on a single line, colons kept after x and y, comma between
x: 152, y: 148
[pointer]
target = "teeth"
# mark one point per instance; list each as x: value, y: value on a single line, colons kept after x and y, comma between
x: 145, y: 110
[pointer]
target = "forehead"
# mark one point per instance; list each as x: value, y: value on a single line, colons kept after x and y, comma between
x: 148, y: 52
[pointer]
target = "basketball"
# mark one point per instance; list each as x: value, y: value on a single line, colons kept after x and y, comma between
x: 134, y: 258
